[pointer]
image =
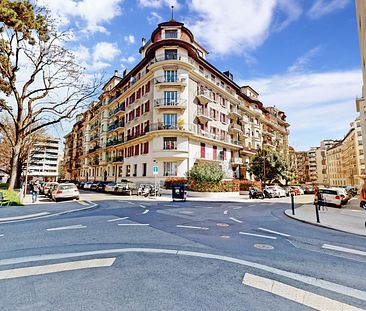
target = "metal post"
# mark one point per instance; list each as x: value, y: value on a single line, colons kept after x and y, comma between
x: 317, y: 212
x: 292, y: 204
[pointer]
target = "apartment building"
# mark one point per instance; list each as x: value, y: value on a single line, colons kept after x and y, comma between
x: 361, y: 101
x: 299, y: 161
x: 172, y: 110
x: 44, y: 162
x: 311, y: 154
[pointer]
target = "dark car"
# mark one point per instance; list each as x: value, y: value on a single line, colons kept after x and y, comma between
x: 94, y: 185
x: 101, y: 186
x: 255, y: 193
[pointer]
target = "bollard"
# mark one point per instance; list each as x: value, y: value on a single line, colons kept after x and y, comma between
x: 292, y: 204
x: 317, y: 206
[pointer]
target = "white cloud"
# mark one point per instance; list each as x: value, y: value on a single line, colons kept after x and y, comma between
x: 130, y: 39
x: 323, y: 7
x: 154, y: 18
x: 94, y: 13
x: 301, y: 63
x: 158, y: 3
x: 129, y: 59
x: 242, y: 25
x: 318, y: 105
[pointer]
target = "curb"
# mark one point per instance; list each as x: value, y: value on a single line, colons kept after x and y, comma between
x: 92, y: 206
x: 321, y: 225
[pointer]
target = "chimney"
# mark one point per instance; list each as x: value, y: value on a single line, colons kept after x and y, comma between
x: 143, y: 42
x: 229, y: 75
x: 115, y: 73
x: 125, y: 72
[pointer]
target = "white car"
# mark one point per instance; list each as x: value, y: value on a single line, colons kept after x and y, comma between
x: 65, y: 191
x: 332, y: 196
x: 276, y: 191
x: 110, y: 187
x: 343, y: 193
x: 88, y: 185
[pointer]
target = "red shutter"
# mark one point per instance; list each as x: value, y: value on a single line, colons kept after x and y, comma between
x: 147, y: 89
x: 203, y: 150
x: 136, y: 150
x: 147, y: 147
x: 215, y: 152
x: 147, y: 106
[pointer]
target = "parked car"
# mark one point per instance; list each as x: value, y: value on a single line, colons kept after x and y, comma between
x: 127, y: 188
x: 110, y: 187
x: 351, y: 191
x: 52, y: 187
x: 101, y: 186
x: 343, y: 193
x: 331, y: 196
x: 88, y: 184
x: 300, y: 189
x: 277, y: 191
x: 94, y: 185
x: 255, y: 193
x: 308, y: 190
x: 65, y: 191
x: 46, y: 187
x: 295, y: 190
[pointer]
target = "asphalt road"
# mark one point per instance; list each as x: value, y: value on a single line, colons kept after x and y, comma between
x: 126, y: 254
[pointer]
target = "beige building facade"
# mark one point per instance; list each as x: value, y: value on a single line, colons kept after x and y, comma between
x: 299, y: 162
x: 172, y: 110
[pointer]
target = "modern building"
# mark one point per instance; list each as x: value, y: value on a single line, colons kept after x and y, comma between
x: 361, y: 102
x: 172, y: 110
x: 44, y: 160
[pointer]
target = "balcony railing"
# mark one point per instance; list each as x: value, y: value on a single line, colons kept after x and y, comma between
x: 178, y: 57
x: 116, y: 110
x: 164, y: 103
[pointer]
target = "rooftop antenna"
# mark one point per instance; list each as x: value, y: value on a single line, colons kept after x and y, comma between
x: 172, y: 12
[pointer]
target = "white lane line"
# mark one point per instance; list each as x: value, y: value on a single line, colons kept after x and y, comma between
x: 344, y: 249
x: 313, y: 281
x: 133, y: 224
x: 274, y: 232
x: 237, y: 220
x: 225, y: 212
x: 169, y: 205
x: 252, y: 205
x: 192, y: 227
x: 83, y: 203
x: 1, y: 235
x: 295, y: 294
x: 145, y: 211
x: 259, y: 235
x: 143, y: 206
x: 239, y: 207
x: 59, y: 267
x: 66, y: 228
x: 129, y: 202
x: 116, y: 219
x: 24, y: 216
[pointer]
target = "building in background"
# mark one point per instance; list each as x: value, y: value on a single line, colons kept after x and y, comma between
x: 44, y: 160
x: 299, y: 162
x: 172, y: 110
x: 361, y: 102
x: 334, y: 165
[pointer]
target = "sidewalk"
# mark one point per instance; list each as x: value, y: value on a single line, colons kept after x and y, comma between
x: 350, y: 218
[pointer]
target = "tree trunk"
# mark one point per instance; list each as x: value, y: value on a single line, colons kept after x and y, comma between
x: 14, y: 166
x: 19, y: 175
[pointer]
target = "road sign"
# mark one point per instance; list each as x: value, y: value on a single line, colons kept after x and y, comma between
x: 156, y: 171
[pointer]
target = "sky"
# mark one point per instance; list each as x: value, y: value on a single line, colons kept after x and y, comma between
x: 301, y: 56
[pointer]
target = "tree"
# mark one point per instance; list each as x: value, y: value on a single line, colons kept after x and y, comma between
x: 206, y: 171
x: 28, y: 149
x: 40, y: 84
x: 289, y: 173
x: 267, y: 165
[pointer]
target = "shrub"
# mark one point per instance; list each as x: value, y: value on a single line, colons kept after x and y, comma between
x: 4, y: 186
x: 11, y: 198
x: 171, y: 181
x: 244, y: 185
x: 206, y: 172
x: 222, y: 186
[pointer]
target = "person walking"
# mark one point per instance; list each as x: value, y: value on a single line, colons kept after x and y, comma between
x: 363, y: 197
x: 35, y: 191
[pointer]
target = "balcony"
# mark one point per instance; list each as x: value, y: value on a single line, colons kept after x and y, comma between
x: 175, y: 58
x: 114, y: 142
x: 172, y: 82
x: 117, y: 110
x: 247, y: 151
x: 203, y: 115
x: 204, y: 97
x: 236, y: 128
x: 235, y: 113
x: 236, y: 161
x: 163, y: 103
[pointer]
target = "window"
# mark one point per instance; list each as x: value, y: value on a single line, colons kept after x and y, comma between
x: 128, y: 170
x: 135, y: 170
x: 144, y: 169
x: 170, y: 169
x: 170, y: 120
x: 170, y: 143
x: 203, y: 150
x: 170, y: 76
x: 170, y: 97
x: 147, y: 106
x: 171, y: 54
x: 171, y: 34
x: 224, y: 150
x: 215, y: 152
x: 137, y: 150
x: 145, y: 148
x: 147, y: 87
x: 138, y: 112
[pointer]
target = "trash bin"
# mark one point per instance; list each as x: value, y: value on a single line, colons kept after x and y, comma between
x: 179, y: 192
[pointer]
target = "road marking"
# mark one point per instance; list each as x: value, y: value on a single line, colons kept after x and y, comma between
x: 24, y: 216
x: 145, y: 211
x: 82, y: 203
x: 143, y: 206
x: 334, y: 287
x: 129, y: 202
x: 192, y: 227
x: 251, y: 205
x: 239, y: 207
x: 1, y: 235
x: 169, y: 205
x: 274, y: 232
x: 66, y: 228
x: 59, y: 267
x: 237, y: 220
x: 116, y: 219
x: 344, y: 249
x: 295, y: 294
x: 133, y: 224
x: 259, y: 235
x: 225, y: 212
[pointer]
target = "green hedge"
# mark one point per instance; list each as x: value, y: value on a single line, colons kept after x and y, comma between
x: 205, y: 186
x: 4, y: 186
x: 171, y: 181
x: 10, y: 198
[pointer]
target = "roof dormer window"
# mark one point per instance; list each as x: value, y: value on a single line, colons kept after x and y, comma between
x: 171, y: 34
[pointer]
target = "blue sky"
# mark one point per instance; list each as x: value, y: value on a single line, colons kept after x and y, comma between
x: 300, y: 55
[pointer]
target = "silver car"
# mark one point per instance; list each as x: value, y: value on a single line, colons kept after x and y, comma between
x: 65, y: 191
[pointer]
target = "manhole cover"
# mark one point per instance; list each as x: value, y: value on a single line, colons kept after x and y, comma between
x: 222, y: 225
x: 263, y: 246
x: 225, y: 236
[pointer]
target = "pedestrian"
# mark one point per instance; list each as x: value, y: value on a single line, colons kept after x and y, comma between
x: 35, y: 191
x: 363, y: 197
x: 319, y: 200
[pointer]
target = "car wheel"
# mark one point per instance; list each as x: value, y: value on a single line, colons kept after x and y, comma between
x: 56, y: 200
